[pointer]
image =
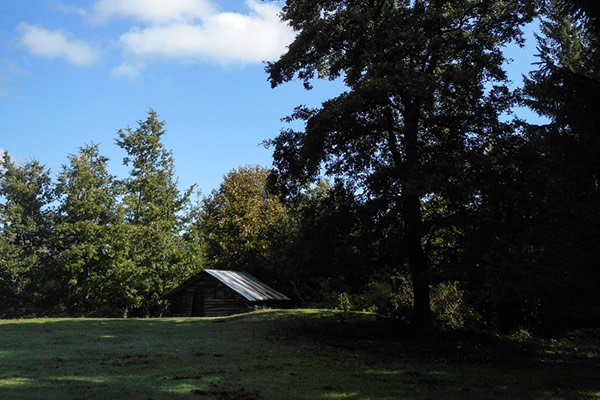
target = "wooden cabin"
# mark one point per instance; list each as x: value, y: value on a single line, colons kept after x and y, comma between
x: 217, y: 293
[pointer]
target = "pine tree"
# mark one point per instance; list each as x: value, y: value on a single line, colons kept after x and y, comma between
x: 28, y: 278
x: 153, y: 213
x: 88, y: 214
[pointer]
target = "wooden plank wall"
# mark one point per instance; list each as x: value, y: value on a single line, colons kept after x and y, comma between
x: 219, y: 301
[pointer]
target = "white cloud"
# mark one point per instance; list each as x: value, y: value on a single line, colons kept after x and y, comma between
x: 224, y: 38
x: 129, y: 70
x: 52, y: 44
x: 71, y: 9
x: 152, y: 11
x: 10, y: 71
x: 9, y: 68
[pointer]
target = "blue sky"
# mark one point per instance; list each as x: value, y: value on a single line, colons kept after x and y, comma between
x: 74, y: 72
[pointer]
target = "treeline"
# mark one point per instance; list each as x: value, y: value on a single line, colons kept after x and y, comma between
x: 413, y: 194
x: 92, y: 244
x: 447, y: 207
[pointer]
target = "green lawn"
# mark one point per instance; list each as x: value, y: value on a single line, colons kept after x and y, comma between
x: 307, y: 354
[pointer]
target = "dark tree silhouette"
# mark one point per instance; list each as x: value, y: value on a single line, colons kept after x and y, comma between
x: 425, y: 89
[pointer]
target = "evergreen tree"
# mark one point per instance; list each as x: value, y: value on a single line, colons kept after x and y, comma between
x: 88, y: 214
x: 153, y: 212
x: 564, y: 89
x: 531, y: 247
x: 28, y: 279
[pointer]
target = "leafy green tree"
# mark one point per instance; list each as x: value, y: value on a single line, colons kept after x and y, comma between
x: 28, y: 277
x: 153, y: 212
x: 242, y: 226
x: 425, y: 92
x: 328, y: 253
x: 500, y: 263
x: 85, y: 233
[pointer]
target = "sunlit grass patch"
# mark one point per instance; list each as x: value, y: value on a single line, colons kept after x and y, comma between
x: 590, y: 395
x: 340, y: 395
x: 181, y: 388
x: 84, y: 379
x: 11, y: 382
x: 385, y: 372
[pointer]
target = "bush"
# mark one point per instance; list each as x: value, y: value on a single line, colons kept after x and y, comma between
x: 390, y: 297
x: 449, y: 308
x: 344, y: 302
x: 522, y: 335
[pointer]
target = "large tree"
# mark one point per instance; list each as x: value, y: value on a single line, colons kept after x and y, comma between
x: 244, y: 227
x: 564, y: 229
x: 426, y: 89
x: 154, y: 216
x: 529, y: 251
x: 85, y: 232
x: 28, y: 279
x: 327, y: 253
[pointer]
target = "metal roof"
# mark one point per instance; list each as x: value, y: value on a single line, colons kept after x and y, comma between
x: 246, y: 285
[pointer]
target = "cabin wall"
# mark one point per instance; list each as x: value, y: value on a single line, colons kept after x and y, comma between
x: 219, y: 300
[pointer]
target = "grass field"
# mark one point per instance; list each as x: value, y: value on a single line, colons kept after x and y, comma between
x: 308, y: 354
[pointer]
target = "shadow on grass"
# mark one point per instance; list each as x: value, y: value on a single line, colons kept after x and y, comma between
x: 306, y: 354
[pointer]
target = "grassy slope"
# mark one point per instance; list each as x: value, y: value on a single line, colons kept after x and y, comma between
x: 306, y: 354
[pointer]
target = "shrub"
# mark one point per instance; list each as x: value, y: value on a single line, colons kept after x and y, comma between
x: 521, y: 335
x: 390, y: 297
x: 344, y: 302
x: 449, y: 308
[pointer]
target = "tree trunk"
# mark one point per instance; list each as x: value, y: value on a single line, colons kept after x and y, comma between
x: 413, y: 220
x: 417, y: 261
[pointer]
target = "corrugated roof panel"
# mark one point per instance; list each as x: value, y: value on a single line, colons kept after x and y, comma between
x: 246, y: 285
